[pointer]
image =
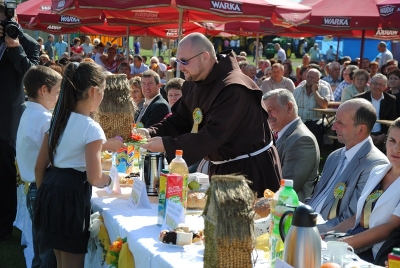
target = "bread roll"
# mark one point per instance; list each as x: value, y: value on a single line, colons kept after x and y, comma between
x: 268, y: 193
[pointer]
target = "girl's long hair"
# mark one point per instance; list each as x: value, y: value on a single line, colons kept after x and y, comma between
x: 77, y: 80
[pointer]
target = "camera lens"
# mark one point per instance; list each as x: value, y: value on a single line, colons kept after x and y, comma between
x: 12, y: 31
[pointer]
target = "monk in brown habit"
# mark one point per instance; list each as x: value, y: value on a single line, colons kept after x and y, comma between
x: 219, y: 118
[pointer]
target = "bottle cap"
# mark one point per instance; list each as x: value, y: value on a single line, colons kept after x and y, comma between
x: 396, y: 251
x: 288, y: 183
x: 179, y: 152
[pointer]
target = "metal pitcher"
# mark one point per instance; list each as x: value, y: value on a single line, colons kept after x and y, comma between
x: 302, y: 242
x: 151, y: 166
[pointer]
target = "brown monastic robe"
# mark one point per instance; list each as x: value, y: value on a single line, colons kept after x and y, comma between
x: 233, y: 124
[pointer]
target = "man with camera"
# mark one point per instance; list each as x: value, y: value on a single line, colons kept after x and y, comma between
x: 18, y: 52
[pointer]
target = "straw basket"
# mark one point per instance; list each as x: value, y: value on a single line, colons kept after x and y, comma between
x: 115, y: 113
x: 229, y: 225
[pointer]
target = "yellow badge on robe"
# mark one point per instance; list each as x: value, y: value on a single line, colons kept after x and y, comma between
x: 126, y: 259
x: 338, y: 193
x: 197, y: 118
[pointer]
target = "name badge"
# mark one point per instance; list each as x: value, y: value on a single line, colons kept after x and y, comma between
x: 139, y: 198
x: 113, y: 173
x: 174, y: 215
x: 197, y: 118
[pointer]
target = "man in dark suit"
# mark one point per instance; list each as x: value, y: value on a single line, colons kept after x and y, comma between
x: 347, y: 169
x: 16, y: 57
x: 384, y: 104
x: 297, y: 147
x: 155, y: 107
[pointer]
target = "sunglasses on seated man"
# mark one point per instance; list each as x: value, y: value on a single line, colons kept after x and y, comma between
x: 186, y: 62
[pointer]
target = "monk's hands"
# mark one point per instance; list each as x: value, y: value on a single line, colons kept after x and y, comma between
x: 154, y: 145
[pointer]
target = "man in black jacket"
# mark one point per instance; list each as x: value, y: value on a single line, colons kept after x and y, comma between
x: 16, y: 57
x: 385, y: 106
x: 155, y: 107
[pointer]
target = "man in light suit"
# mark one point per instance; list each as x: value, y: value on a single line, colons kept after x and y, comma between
x: 297, y: 147
x: 347, y: 169
x: 155, y: 107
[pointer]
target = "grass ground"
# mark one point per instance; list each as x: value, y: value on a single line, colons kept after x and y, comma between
x: 11, y: 251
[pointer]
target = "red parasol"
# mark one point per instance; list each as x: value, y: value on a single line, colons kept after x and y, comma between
x: 165, y: 30
x: 354, y: 15
x: 252, y: 28
x: 168, y: 10
x: 35, y: 11
x: 389, y: 11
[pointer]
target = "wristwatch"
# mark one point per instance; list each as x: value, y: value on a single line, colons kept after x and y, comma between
x: 109, y: 182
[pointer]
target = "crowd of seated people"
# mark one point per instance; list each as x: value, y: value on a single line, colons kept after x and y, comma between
x: 368, y: 166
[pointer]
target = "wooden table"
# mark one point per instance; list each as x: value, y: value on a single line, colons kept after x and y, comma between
x: 328, y: 111
x: 385, y: 122
x: 334, y: 103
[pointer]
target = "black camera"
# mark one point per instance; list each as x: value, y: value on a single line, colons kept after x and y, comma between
x: 10, y: 26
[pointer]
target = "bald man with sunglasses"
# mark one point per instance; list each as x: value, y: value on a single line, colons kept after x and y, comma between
x: 219, y: 118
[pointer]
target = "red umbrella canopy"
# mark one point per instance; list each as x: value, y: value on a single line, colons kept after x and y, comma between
x: 167, y: 10
x: 165, y: 30
x: 340, y: 15
x: 54, y: 29
x: 40, y: 10
x: 252, y: 28
x: 389, y: 11
x: 171, y: 30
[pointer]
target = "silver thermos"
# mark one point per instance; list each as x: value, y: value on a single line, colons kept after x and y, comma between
x: 302, y: 242
x: 151, y: 166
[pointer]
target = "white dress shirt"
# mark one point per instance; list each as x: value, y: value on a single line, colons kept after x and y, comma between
x: 280, y: 133
x: 35, y: 121
x: 377, y: 106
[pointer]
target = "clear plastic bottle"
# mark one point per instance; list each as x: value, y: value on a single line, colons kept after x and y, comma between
x: 287, y: 199
x: 134, y: 131
x: 136, y: 152
x: 273, y: 202
x: 178, y: 166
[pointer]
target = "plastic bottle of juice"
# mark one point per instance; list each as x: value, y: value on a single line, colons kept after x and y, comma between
x: 394, y: 258
x: 287, y: 200
x: 178, y: 166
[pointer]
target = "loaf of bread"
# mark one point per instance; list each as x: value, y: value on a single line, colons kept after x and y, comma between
x: 106, y: 164
x: 262, y: 207
x: 123, y: 179
x: 196, y: 200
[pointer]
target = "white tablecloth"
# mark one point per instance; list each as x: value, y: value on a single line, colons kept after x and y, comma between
x: 141, y: 229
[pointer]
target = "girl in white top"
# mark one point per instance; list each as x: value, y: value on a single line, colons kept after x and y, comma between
x: 73, y: 147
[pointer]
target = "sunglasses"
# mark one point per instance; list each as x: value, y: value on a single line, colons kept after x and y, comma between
x: 186, y: 62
